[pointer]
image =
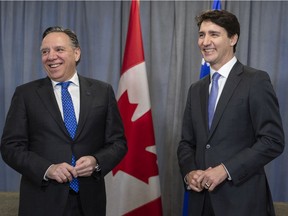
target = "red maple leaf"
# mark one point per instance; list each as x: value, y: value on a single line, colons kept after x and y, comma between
x: 138, y: 162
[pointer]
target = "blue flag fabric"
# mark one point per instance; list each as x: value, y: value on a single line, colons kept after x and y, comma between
x: 216, y: 5
x: 204, y: 71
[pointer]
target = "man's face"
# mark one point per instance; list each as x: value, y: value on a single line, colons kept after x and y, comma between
x: 59, y: 57
x: 215, y: 45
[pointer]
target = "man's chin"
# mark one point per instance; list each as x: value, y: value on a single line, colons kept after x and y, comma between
x: 208, y: 60
x: 56, y: 77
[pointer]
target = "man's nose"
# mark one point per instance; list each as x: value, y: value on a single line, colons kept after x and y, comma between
x: 52, y: 55
x: 206, y: 40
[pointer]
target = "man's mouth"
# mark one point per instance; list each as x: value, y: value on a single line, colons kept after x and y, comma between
x: 208, y: 50
x: 54, y: 65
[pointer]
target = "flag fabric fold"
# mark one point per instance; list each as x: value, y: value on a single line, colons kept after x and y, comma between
x: 133, y: 186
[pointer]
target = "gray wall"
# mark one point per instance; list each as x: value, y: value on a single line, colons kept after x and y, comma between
x: 172, y: 59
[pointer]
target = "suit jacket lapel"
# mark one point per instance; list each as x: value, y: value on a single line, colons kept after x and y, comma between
x: 229, y: 88
x: 46, y: 94
x: 85, y: 103
x: 204, y: 95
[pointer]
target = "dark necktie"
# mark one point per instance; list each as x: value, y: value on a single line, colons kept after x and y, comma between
x: 213, y: 97
x: 70, y: 123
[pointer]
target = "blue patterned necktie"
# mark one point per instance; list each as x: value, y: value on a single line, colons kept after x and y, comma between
x: 213, y: 97
x: 70, y: 123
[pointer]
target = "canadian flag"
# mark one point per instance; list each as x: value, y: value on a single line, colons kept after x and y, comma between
x: 133, y: 186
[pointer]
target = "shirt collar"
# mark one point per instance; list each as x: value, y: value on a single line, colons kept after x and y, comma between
x: 224, y: 71
x: 74, y: 79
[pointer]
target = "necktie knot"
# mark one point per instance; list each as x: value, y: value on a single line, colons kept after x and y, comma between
x: 215, y: 77
x: 65, y: 85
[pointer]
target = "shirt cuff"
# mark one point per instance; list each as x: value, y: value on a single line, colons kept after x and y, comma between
x: 229, y: 177
x: 186, y: 182
x: 45, y: 177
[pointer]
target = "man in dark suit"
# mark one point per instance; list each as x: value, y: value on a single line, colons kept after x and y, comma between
x: 36, y: 143
x: 223, y: 164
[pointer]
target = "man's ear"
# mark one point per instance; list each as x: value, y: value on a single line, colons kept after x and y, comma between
x: 233, y: 39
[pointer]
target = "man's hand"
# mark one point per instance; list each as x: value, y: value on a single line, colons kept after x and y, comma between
x: 85, y: 166
x: 62, y: 173
x: 212, y: 177
x: 209, y: 179
x: 192, y: 180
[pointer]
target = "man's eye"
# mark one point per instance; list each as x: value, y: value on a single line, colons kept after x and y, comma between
x: 60, y: 50
x: 44, y: 52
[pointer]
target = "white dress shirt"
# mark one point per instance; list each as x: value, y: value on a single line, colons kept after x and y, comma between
x: 74, y: 91
x: 224, y: 71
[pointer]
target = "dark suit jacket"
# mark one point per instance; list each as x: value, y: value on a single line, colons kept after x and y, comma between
x: 35, y: 137
x: 245, y: 135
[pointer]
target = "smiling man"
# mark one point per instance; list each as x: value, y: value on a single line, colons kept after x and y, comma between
x: 60, y: 54
x: 63, y: 133
x: 231, y: 128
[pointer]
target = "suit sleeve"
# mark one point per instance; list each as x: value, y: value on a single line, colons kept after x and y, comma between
x: 115, y: 146
x: 187, y: 146
x: 268, y: 130
x: 15, y: 142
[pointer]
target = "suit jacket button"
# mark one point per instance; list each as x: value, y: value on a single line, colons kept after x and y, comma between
x: 208, y: 146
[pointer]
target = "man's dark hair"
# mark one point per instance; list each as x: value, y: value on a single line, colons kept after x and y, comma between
x: 223, y: 18
x: 68, y: 32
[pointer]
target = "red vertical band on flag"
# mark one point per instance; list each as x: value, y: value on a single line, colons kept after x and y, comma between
x: 134, y: 52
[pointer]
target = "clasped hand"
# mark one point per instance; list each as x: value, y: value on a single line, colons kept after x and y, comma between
x: 64, y: 172
x: 209, y: 179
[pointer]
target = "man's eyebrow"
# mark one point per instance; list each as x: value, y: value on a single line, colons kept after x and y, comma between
x: 213, y: 32
x: 209, y: 32
x: 55, y: 47
x: 58, y: 47
x: 43, y: 48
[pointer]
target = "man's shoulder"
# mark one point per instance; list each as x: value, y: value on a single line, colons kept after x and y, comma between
x: 94, y: 82
x: 203, y: 81
x: 248, y: 71
x: 34, y: 83
x: 253, y: 72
